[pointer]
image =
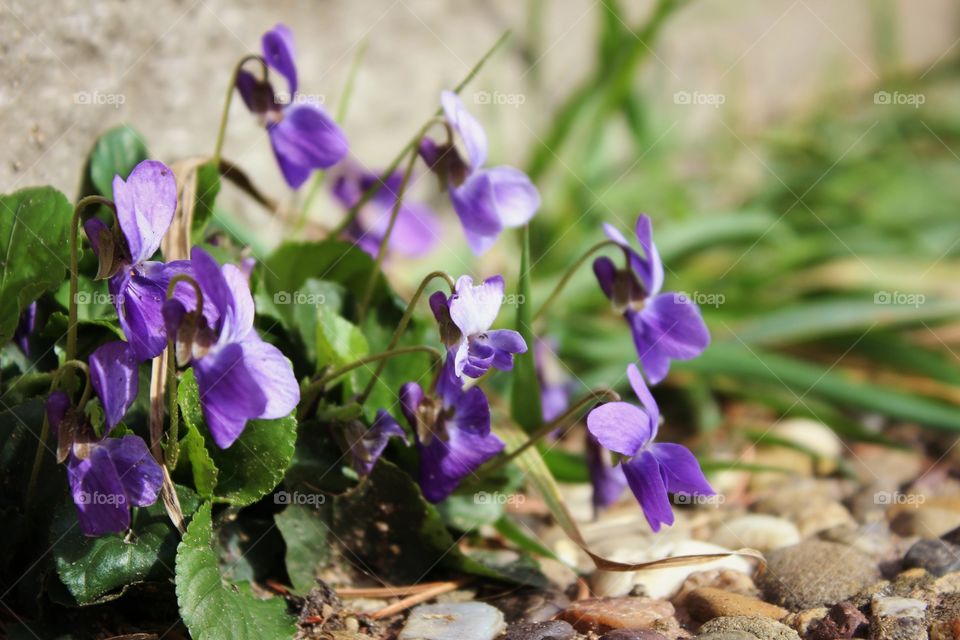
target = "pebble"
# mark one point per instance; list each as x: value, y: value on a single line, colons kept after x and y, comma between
x: 665, y: 583
x: 604, y: 614
x: 927, y: 520
x: 945, y: 618
x: 759, y: 628
x: 873, y: 462
x: 936, y: 556
x: 632, y: 634
x: 843, y: 620
x: 756, y: 531
x: 730, y: 581
x: 461, y: 620
x: 706, y: 604
x: 873, y: 539
x: 898, y: 619
x: 815, y: 437
x: 815, y: 573
x: 546, y: 630
x: 733, y: 634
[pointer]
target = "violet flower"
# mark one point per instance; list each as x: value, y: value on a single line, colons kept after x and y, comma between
x: 107, y: 476
x: 465, y: 318
x: 240, y: 377
x: 302, y: 135
x: 145, y: 204
x: 114, y: 374
x: 665, y: 326
x: 416, y: 229
x: 367, y: 444
x: 486, y: 199
x: 26, y: 324
x: 606, y: 477
x: 651, y: 469
x: 452, y: 430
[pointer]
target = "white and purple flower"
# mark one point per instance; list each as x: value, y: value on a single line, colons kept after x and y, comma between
x: 486, y: 200
x: 465, y: 318
x: 652, y: 470
x: 665, y: 326
x: 302, y: 135
x: 452, y: 429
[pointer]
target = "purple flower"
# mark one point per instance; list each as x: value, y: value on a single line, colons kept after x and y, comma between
x: 107, y: 476
x: 240, y: 377
x: 366, y: 445
x: 138, y: 286
x: 651, y: 469
x: 486, y: 200
x: 302, y: 135
x: 607, y: 478
x: 25, y: 326
x: 665, y: 326
x: 465, y: 319
x: 452, y: 430
x: 416, y: 229
x: 114, y: 374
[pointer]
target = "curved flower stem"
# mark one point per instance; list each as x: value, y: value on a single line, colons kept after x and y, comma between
x: 74, y: 268
x: 404, y: 322
x: 221, y: 133
x: 182, y: 277
x: 317, y: 385
x: 593, y: 395
x: 45, y: 427
x: 412, y: 145
x: 569, y: 274
x: 173, y: 431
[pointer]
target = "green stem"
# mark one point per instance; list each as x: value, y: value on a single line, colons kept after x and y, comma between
x: 74, y: 268
x: 321, y: 382
x: 221, y: 133
x: 404, y: 322
x: 173, y: 432
x: 412, y: 145
x: 593, y: 395
x: 569, y: 274
x: 45, y: 426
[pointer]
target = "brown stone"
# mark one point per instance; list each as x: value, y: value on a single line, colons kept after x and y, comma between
x: 706, y: 603
x: 604, y: 614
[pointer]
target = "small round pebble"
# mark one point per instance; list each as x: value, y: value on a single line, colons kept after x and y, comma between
x: 759, y: 628
x: 547, y: 630
x: 632, y: 634
x: 936, y: 556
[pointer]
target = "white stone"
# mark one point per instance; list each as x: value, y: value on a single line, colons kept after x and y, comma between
x: 756, y: 531
x: 460, y: 621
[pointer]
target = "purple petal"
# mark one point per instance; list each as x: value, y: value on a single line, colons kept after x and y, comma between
x: 515, y: 196
x: 115, y: 377
x: 474, y: 308
x: 306, y: 139
x: 474, y: 139
x: 415, y: 232
x: 376, y: 439
x: 257, y: 95
x: 278, y: 52
x: 606, y: 273
x: 139, y: 300
x: 476, y: 206
x: 620, y: 427
x: 645, y: 480
x: 57, y: 405
x: 139, y: 474
x: 26, y: 323
x: 646, y: 398
x: 681, y: 471
x: 213, y: 283
x: 230, y: 394
x: 614, y: 234
x: 669, y: 328
x: 449, y: 387
x: 505, y: 343
x: 98, y: 493
x: 93, y: 228
x: 608, y: 480
x: 651, y: 268
x: 238, y: 322
x: 411, y: 395
x: 273, y: 373
x: 145, y: 206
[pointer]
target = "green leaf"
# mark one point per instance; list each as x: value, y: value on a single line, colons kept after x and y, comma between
x: 750, y: 366
x: 339, y: 341
x: 253, y: 465
x: 213, y: 610
x: 100, y: 569
x: 208, y: 186
x: 525, y: 394
x: 305, y: 530
x: 116, y: 152
x: 193, y: 446
x: 34, y: 250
